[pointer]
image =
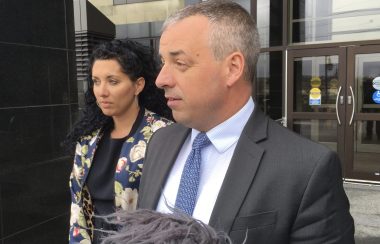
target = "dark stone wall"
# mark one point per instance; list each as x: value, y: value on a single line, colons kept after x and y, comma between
x: 38, y: 104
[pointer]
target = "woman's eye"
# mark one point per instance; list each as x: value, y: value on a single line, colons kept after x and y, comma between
x: 96, y: 82
x: 113, y: 82
x: 162, y: 63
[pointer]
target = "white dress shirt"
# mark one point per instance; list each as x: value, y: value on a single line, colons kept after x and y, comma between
x: 215, y: 161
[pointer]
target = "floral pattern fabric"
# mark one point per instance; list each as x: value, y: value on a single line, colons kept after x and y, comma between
x: 127, y: 175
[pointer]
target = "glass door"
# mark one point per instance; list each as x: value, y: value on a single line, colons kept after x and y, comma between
x: 363, y: 113
x: 333, y: 98
x: 316, y: 88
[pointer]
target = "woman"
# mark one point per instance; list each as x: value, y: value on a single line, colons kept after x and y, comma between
x: 112, y: 135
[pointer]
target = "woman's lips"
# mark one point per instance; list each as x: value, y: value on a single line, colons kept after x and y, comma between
x: 105, y: 104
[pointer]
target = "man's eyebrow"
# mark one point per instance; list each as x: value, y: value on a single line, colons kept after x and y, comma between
x: 176, y: 53
x: 173, y: 53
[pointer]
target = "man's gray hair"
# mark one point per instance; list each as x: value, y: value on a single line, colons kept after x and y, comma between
x: 145, y: 226
x: 232, y: 29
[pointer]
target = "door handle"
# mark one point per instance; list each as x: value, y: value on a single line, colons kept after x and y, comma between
x: 353, y: 105
x: 336, y: 105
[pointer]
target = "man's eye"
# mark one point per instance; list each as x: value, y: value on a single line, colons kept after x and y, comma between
x: 181, y: 64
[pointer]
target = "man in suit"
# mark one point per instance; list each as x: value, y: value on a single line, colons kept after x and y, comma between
x: 258, y: 181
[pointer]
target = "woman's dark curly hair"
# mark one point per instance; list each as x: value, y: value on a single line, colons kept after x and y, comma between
x: 136, y: 60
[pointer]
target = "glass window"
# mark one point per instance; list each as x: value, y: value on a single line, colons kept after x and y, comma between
x: 118, y: 2
x: 367, y: 146
x: 269, y: 83
x: 334, y: 20
x: 269, y: 22
x: 367, y: 82
x: 315, y: 84
x: 245, y: 4
x: 120, y: 12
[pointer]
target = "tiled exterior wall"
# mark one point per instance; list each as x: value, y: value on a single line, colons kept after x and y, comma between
x: 38, y: 104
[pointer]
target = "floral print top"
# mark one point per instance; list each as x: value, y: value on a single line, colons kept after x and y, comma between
x: 127, y: 175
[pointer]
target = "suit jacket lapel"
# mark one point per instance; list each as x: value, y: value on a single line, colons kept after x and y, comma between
x: 162, y: 164
x: 241, y: 172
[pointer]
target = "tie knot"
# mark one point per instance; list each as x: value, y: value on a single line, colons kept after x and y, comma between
x: 200, y: 141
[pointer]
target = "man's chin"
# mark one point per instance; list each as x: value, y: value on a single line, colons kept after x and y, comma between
x: 186, y: 120
x: 180, y: 117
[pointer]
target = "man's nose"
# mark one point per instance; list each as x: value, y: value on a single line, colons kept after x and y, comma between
x: 164, y: 78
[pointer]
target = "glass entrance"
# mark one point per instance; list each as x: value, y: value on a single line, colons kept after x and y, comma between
x: 332, y: 99
x: 363, y: 113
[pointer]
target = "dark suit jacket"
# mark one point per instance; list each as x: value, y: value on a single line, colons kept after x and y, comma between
x: 279, y: 187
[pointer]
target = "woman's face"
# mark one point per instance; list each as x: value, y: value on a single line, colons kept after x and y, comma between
x: 115, y: 92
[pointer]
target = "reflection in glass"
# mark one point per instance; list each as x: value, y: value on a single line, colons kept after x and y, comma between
x: 269, y: 22
x: 315, y: 84
x: 245, y: 4
x: 269, y: 83
x: 116, y: 2
x: 334, y: 20
x: 367, y: 69
x: 122, y: 12
x: 367, y: 147
x: 21, y: 128
x: 322, y: 131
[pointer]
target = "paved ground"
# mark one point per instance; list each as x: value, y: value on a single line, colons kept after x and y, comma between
x: 365, y: 208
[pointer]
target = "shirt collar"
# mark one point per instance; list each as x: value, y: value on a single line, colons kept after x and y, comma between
x: 224, y: 135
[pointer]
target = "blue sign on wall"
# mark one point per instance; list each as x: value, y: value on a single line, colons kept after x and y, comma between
x: 376, y: 97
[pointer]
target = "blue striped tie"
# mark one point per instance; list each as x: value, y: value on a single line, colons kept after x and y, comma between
x: 188, y: 187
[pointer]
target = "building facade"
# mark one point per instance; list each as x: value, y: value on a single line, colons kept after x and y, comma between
x: 318, y: 72
x: 38, y: 104
x: 325, y: 56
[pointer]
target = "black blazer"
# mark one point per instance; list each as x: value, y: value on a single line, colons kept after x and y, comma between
x: 279, y: 187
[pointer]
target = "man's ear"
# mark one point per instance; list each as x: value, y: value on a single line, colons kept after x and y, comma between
x: 139, y: 85
x: 235, y: 64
